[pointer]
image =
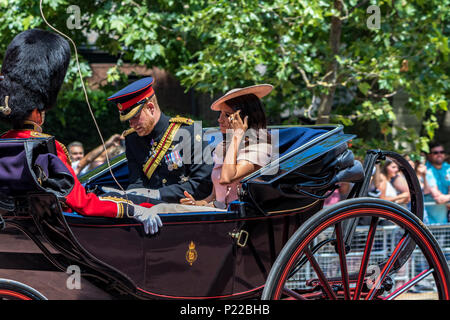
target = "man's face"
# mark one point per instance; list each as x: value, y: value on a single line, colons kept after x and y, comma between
x: 437, y: 155
x: 76, y: 153
x: 145, y: 120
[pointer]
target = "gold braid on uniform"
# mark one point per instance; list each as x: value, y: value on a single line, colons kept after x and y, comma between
x: 120, y: 204
x: 184, y: 120
x: 66, y: 152
x: 175, y: 123
x: 36, y: 127
x: 37, y: 134
x: 127, y: 132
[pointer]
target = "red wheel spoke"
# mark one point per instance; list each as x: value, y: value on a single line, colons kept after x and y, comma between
x: 293, y: 294
x: 322, y: 278
x: 365, y: 257
x: 342, y: 260
x: 389, y: 264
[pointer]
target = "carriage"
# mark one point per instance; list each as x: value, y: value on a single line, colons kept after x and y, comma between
x: 277, y: 241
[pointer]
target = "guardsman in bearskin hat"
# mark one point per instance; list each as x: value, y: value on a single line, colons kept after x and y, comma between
x: 164, y: 154
x: 32, y: 73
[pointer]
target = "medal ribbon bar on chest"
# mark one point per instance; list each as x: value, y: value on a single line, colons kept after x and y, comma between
x: 165, y: 143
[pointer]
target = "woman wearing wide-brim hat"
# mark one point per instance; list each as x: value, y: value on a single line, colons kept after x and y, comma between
x: 242, y: 122
x: 243, y: 125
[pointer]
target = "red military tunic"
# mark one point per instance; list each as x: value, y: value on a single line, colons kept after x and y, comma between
x: 78, y: 199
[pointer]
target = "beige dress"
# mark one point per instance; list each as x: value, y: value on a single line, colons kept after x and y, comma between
x: 258, y: 154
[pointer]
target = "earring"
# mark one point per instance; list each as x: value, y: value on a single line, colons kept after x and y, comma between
x: 6, y: 110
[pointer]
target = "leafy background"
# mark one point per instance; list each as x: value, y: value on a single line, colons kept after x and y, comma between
x: 327, y: 66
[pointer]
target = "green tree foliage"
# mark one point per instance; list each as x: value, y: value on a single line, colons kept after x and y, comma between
x: 320, y: 55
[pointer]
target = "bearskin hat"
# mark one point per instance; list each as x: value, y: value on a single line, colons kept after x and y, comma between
x: 32, y: 73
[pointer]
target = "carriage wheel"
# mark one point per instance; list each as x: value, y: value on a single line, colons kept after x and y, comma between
x: 316, y: 264
x: 14, y: 290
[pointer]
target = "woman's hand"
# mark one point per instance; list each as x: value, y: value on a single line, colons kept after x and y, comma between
x: 189, y: 200
x: 236, y: 123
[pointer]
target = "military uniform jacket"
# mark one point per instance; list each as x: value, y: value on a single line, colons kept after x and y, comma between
x: 78, y: 199
x: 171, y: 177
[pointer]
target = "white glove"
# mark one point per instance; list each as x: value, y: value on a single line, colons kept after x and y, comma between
x: 148, y: 217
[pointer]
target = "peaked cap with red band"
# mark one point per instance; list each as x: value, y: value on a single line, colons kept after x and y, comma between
x: 132, y: 98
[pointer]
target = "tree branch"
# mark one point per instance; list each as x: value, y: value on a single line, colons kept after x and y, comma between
x: 388, y: 95
x: 357, y: 6
x: 310, y: 85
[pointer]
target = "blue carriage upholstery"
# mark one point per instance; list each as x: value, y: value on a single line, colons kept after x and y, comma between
x: 295, y: 137
x: 287, y: 139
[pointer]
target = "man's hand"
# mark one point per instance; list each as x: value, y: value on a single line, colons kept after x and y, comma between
x: 109, y: 189
x: 149, y: 218
x: 114, y: 140
x: 442, y: 198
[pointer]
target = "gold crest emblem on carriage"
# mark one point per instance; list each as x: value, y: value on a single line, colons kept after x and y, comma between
x: 191, y: 254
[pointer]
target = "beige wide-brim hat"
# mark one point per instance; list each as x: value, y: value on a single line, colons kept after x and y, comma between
x: 259, y: 90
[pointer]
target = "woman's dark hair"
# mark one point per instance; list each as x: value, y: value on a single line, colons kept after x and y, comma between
x: 387, y: 163
x: 251, y: 106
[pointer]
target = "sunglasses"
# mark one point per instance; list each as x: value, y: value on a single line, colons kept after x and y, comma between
x: 438, y: 152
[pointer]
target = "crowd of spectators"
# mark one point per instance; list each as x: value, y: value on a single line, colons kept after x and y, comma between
x: 82, y: 163
x: 433, y: 173
x: 437, y: 185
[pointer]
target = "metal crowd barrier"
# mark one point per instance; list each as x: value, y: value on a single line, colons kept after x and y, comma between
x: 386, y: 238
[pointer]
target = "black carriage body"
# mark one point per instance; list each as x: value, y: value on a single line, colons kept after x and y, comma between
x: 195, y: 255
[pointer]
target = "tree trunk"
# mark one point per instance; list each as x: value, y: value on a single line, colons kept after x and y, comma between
x: 326, y: 100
